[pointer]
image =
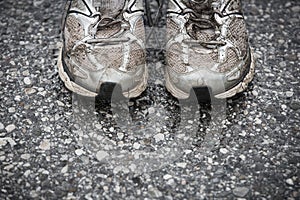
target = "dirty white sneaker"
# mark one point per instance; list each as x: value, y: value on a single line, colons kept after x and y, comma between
x: 103, y: 46
x: 207, y: 46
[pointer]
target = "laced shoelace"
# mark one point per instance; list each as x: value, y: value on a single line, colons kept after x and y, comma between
x: 196, y: 10
x: 103, y: 22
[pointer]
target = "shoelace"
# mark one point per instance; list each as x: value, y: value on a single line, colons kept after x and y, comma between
x: 196, y: 10
x: 102, y: 22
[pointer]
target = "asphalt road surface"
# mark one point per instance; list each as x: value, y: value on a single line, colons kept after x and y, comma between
x: 56, y: 145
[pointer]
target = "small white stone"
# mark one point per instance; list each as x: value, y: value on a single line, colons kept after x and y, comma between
x: 1, y: 126
x: 181, y: 165
x: 159, y: 137
x: 257, y: 121
x: 2, y: 158
x: 167, y: 176
x: 64, y: 169
x: 242, y: 157
x: 47, y: 129
x: 136, y: 145
x: 3, y: 142
x: 209, y: 160
x: 289, y: 181
x: 101, y: 155
x: 255, y: 93
x: 27, y: 81
x: 29, y: 91
x: 223, y: 150
x: 45, y: 145
x: 120, y: 136
x: 25, y: 156
x: 289, y: 94
x: 79, y: 152
x: 59, y: 103
x: 10, y: 128
x: 27, y: 172
x: 284, y: 107
x: 11, y: 110
x: 111, y: 129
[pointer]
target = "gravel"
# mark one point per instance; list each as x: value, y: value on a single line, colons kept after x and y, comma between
x: 56, y: 145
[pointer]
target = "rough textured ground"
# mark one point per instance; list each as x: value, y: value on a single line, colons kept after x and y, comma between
x: 52, y: 146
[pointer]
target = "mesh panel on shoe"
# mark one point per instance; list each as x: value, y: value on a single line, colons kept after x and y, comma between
x: 238, y: 35
x: 111, y: 56
x: 136, y: 57
x: 139, y: 30
x: 73, y: 32
x: 80, y: 55
x: 197, y: 60
x: 230, y: 62
x: 174, y: 56
x: 204, y: 36
x: 172, y: 28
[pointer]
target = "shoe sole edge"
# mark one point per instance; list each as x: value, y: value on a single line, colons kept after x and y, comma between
x: 240, y: 87
x: 74, y: 87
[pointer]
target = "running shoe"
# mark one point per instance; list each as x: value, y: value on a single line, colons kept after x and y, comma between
x: 207, y: 47
x: 103, y: 46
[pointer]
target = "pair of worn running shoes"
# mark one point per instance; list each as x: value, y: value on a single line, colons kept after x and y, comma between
x: 104, y: 45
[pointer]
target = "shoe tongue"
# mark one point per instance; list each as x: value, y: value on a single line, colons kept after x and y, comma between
x: 109, y: 7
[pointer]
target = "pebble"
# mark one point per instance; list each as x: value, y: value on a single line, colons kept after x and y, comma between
x: 120, y: 136
x: 290, y: 181
x: 1, y: 126
x: 11, y: 110
x: 18, y: 98
x: 29, y: 91
x: 223, y: 150
x: 3, y: 142
x: 45, y: 145
x: 27, y: 81
x: 289, y: 94
x: 25, y: 156
x: 27, y: 173
x: 100, y: 155
x: 167, y: 176
x: 282, y: 64
x: 65, y: 169
x: 241, y: 191
x: 181, y: 165
x: 2, y: 158
x: 257, y: 121
x: 136, y: 145
x: 296, y: 9
x: 79, y: 152
x: 159, y: 137
x: 59, y: 103
x: 242, y: 157
x: 255, y: 93
x: 10, y: 128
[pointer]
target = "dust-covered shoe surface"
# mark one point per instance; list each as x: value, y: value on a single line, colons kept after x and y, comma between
x: 207, y: 47
x: 103, y: 45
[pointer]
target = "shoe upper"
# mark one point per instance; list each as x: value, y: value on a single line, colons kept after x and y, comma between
x: 100, y: 35
x: 207, y: 34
